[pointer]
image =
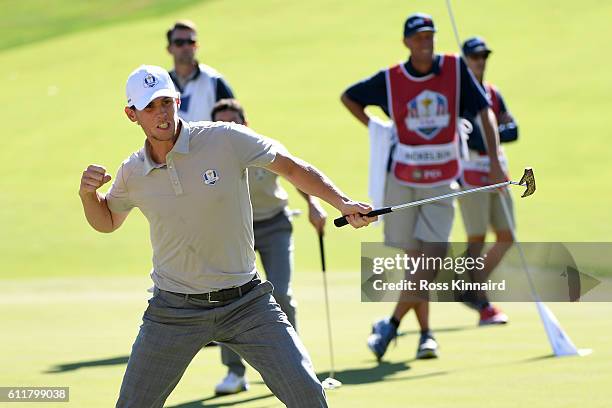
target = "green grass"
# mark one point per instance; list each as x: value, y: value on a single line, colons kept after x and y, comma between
x: 25, y: 22
x: 78, y: 332
x: 288, y: 63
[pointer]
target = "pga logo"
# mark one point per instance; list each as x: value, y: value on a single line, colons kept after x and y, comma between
x: 210, y: 177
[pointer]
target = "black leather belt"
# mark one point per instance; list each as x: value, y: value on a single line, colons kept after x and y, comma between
x: 223, y: 294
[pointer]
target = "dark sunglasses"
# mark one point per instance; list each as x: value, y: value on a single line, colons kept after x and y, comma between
x: 481, y: 55
x: 179, y: 42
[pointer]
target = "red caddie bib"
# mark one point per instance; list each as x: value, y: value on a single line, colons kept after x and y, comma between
x: 424, y: 111
x: 476, y: 168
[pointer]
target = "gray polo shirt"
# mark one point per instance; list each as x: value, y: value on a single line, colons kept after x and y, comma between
x: 197, y: 205
x: 267, y: 195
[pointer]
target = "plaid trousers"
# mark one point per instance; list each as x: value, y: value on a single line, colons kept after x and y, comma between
x: 274, y: 243
x: 174, y: 329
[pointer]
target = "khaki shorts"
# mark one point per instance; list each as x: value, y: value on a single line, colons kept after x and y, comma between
x: 407, y: 229
x: 479, y: 210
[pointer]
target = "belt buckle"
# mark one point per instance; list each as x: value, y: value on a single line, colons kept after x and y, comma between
x: 210, y: 300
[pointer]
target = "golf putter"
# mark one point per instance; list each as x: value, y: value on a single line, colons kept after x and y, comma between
x: 330, y: 382
x: 527, y: 181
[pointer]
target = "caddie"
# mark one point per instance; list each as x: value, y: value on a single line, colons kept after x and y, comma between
x: 484, y: 209
x: 423, y: 97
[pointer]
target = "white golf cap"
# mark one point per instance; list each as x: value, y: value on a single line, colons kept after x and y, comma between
x: 146, y: 83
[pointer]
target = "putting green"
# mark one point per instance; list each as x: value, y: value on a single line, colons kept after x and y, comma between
x: 78, y: 332
x: 72, y: 298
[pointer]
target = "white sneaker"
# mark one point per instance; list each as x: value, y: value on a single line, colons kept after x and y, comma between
x: 428, y: 347
x: 231, y: 384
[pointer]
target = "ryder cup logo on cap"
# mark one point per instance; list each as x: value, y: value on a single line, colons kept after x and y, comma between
x: 475, y: 45
x: 150, y: 81
x: 418, y: 22
x: 210, y: 177
x: 146, y: 83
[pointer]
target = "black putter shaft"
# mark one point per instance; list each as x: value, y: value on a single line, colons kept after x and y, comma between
x: 329, y: 329
x: 322, y: 251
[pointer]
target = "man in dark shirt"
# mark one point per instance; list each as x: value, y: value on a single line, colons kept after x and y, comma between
x: 424, y: 98
x: 484, y: 209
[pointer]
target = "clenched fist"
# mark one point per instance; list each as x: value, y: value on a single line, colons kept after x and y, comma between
x: 93, y: 178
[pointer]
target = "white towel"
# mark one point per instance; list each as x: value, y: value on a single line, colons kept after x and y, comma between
x: 464, y: 128
x: 382, y: 138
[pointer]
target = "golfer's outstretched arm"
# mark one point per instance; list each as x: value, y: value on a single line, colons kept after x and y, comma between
x: 98, y: 215
x: 308, y: 179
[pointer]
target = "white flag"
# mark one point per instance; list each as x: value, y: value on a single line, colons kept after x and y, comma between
x: 560, y: 342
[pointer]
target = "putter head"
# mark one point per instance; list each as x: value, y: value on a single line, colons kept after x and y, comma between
x: 528, y: 180
x: 331, y: 383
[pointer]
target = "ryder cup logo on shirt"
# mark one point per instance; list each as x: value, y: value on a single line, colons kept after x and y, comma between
x: 210, y: 177
x: 428, y: 114
x: 150, y: 81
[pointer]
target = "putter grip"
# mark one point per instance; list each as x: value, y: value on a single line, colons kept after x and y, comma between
x: 341, y: 221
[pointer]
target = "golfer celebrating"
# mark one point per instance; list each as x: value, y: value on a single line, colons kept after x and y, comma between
x: 190, y: 182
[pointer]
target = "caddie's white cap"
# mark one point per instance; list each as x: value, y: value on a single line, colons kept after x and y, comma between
x: 146, y: 83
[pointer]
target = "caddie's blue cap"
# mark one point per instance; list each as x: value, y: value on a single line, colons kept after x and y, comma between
x: 418, y: 22
x: 475, y: 45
